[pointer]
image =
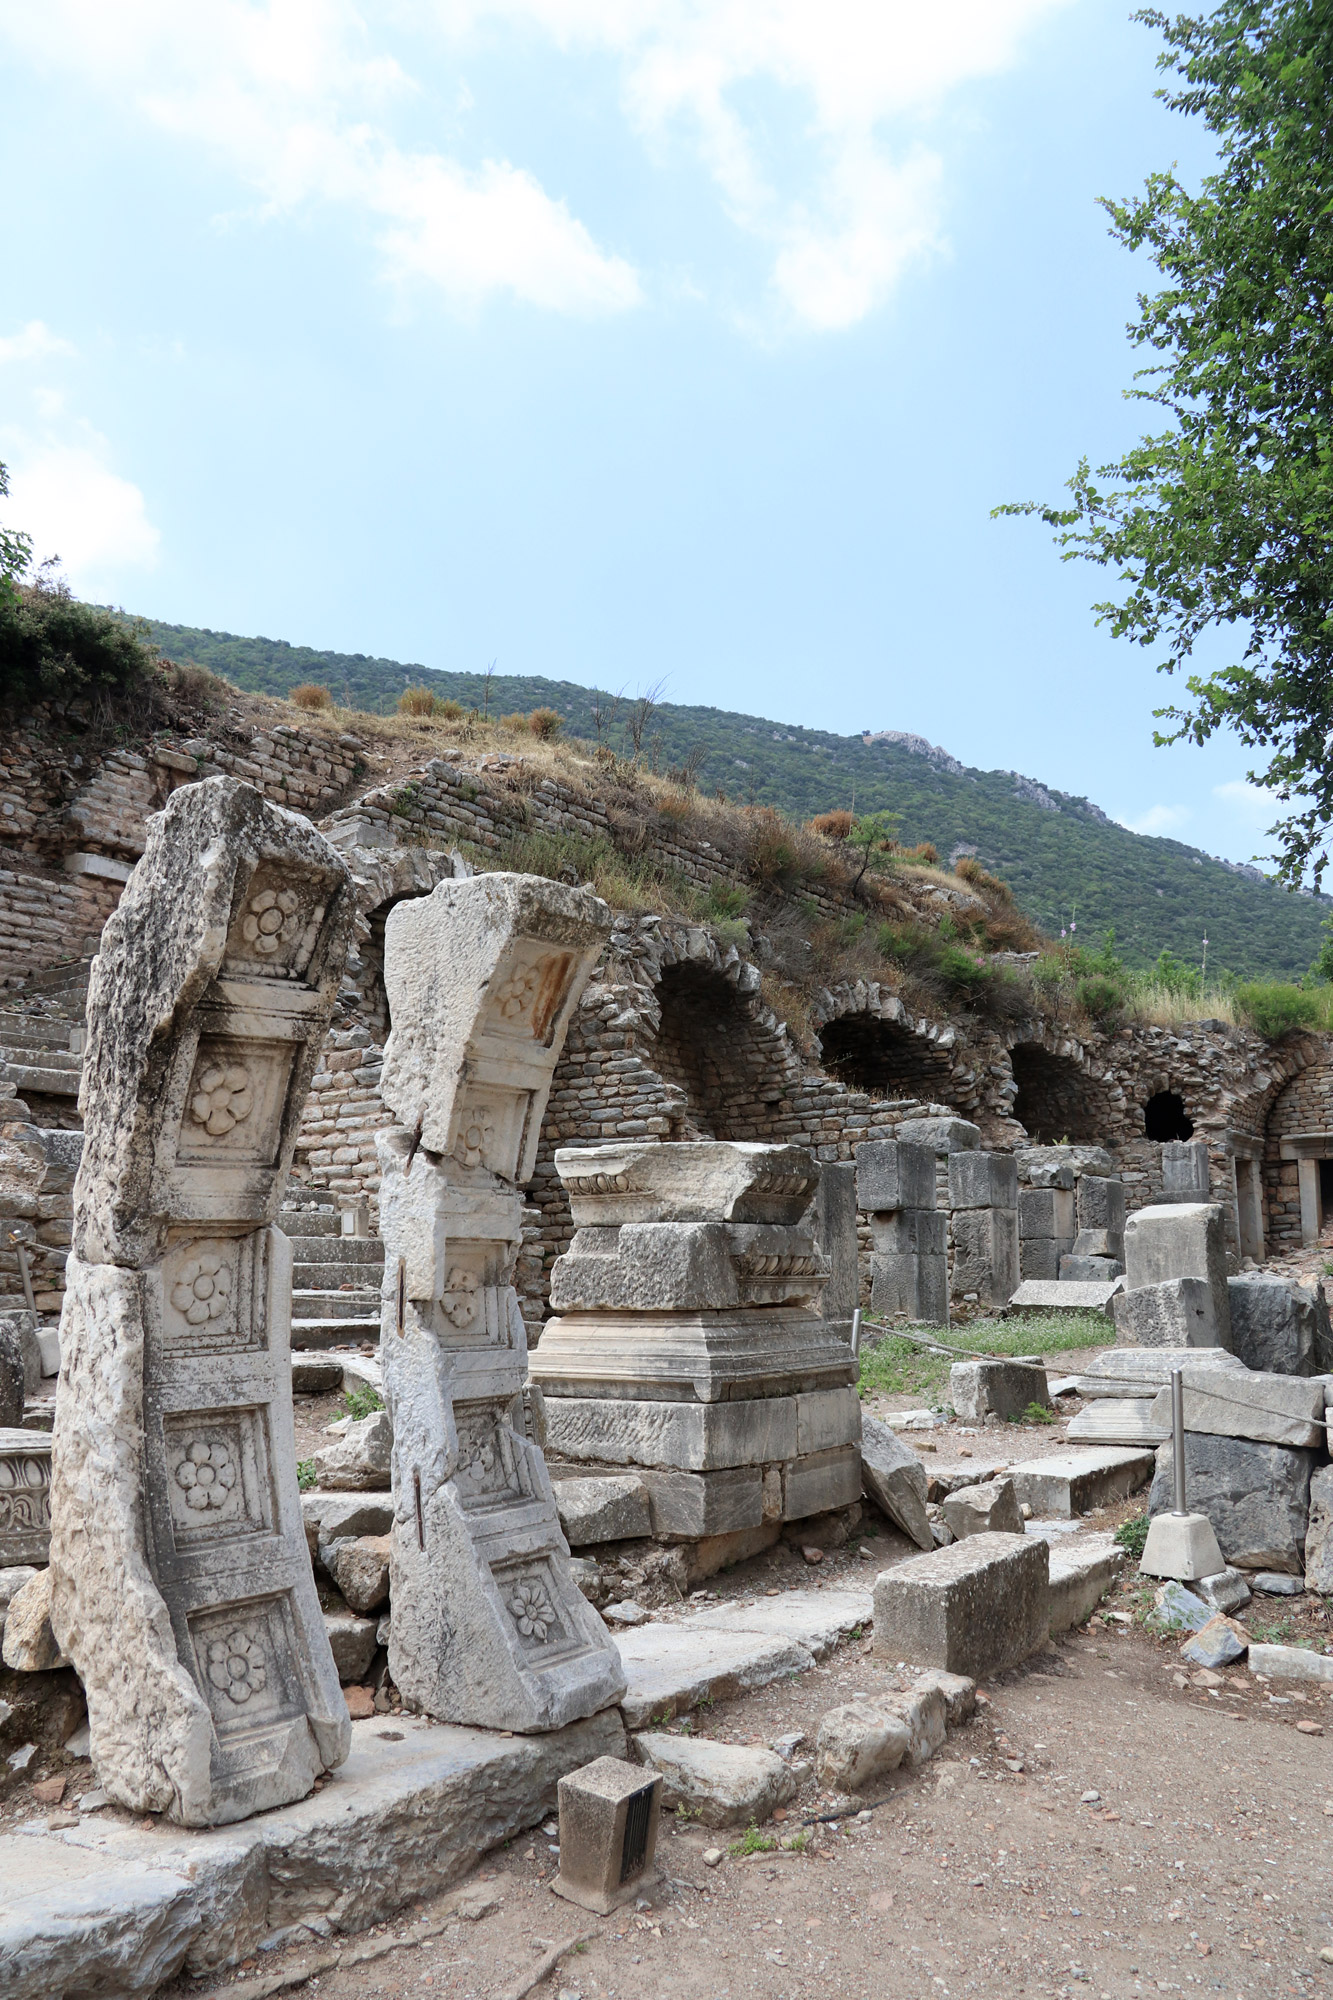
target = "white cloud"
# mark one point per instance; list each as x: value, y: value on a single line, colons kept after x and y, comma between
x: 870, y: 201
x: 80, y: 511
x: 1159, y: 819
x: 291, y: 96
x: 1250, y: 804
x: 34, y: 342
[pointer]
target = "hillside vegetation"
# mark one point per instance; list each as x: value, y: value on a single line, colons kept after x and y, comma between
x: 1063, y: 858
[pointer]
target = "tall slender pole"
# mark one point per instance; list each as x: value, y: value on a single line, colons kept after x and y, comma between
x: 1178, y: 1437
x: 856, y: 1331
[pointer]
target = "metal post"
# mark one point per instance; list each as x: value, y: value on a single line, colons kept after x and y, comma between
x: 1178, y: 1437
x: 856, y: 1332
x: 25, y: 1275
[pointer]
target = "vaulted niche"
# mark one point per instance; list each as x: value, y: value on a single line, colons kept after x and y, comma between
x: 709, y: 1044
x: 1164, y: 1117
x: 1056, y: 1099
x: 889, y: 1061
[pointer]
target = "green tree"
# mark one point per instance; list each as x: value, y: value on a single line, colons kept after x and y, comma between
x: 1321, y: 969
x: 869, y: 833
x: 1221, y: 525
x: 15, y: 550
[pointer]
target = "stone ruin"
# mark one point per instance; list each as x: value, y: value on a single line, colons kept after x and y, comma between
x: 488, y: 1623
x: 180, y: 1583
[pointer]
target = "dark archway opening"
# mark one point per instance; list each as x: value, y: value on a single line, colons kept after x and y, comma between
x: 709, y: 1044
x: 1056, y: 1099
x: 1164, y: 1117
x: 868, y: 1053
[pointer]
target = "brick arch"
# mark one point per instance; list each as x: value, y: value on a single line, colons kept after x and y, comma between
x: 869, y: 1041
x: 723, y: 1055
x: 1298, y: 1140
x: 1058, y: 1095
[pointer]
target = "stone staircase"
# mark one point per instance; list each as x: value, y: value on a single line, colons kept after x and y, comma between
x: 41, y: 1050
x: 335, y: 1279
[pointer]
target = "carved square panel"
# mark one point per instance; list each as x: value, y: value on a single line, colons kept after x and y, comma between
x: 490, y: 1125
x: 275, y: 925
x: 472, y: 1309
x: 235, y: 1102
x: 215, y: 1292
x: 529, y: 991
x: 532, y: 1597
x: 244, y: 1661
x: 25, y: 1498
x: 491, y: 1469
x: 217, y: 1471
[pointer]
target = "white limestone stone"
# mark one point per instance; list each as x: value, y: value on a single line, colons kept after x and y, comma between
x: 181, y: 1583
x: 696, y: 1180
x: 895, y: 1479
x: 817, y: 1619
x: 1181, y: 1240
x: 1083, y: 1568
x: 489, y: 1625
x: 670, y: 1669
x: 1076, y: 1481
x: 1118, y: 1420
x: 361, y: 1460
x: 719, y: 1784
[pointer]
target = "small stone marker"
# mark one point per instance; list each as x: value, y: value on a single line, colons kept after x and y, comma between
x: 608, y: 1833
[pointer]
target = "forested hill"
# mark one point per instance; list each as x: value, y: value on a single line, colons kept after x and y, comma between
x: 1062, y: 855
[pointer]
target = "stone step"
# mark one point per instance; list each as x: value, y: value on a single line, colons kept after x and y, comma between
x: 360, y: 1304
x: 50, y: 1082
x: 19, y: 1032
x: 310, y: 1222
x: 1075, y: 1482
x: 670, y: 1669
x: 307, y: 1333
x: 358, y: 1252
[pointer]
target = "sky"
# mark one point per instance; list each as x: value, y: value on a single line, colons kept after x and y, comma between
x: 623, y: 341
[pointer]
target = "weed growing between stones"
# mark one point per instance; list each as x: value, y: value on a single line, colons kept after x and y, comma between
x: 1132, y: 1536
x: 363, y: 1401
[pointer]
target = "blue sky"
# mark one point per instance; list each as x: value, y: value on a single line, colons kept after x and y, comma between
x: 616, y: 340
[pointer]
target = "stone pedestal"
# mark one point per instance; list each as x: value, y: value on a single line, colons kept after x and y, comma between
x: 688, y: 1341
x: 489, y: 1626
x: 182, y: 1587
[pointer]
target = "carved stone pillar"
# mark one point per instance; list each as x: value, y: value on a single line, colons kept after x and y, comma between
x: 182, y: 1587
x: 488, y: 1624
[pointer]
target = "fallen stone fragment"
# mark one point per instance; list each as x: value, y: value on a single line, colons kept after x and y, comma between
x: 958, y: 1691
x: 1176, y: 1609
x: 603, y: 1510
x: 1293, y: 1663
x: 1277, y: 1326
x: 1273, y: 1584
x: 339, y: 1515
x: 359, y: 1565
x: 360, y: 1703
x: 895, y: 1479
x: 30, y: 1646
x: 1004, y: 1389
x: 1077, y: 1481
x: 625, y: 1612
x: 1227, y: 1591
x: 990, y: 1508
x: 361, y: 1460
x: 858, y: 1744
x: 1270, y: 1409
x: 1319, y: 1534
x: 353, y: 1641
x: 1217, y: 1643
x: 720, y: 1784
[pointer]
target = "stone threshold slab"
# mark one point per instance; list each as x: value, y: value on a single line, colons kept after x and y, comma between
x: 1075, y: 1482
x: 819, y: 1620
x: 110, y: 1908
x: 671, y: 1669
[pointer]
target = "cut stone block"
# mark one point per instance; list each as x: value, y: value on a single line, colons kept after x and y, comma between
x: 941, y: 1135
x: 988, y: 1508
x: 1271, y: 1409
x: 1042, y: 1296
x: 337, y: 1515
x: 974, y: 1608
x: 891, y: 1175
x: 1279, y: 1327
x: 985, y: 1251
x: 694, y: 1180
x: 687, y: 1505
x: 1290, y: 1663
x: 1227, y: 1591
x: 1083, y: 1568
x: 670, y: 1669
x: 1216, y: 1644
x: 833, y: 1219
x: 1082, y: 1270
x: 182, y: 1586
x: 704, y: 1357
x: 960, y: 1694
x: 1257, y: 1497
x: 827, y: 1420
x: 1045, y: 1167
x: 1186, y: 1175
x: 608, y: 1834
x: 912, y: 1278
x: 718, y: 1784
x: 895, y: 1479
x: 1039, y: 1258
x: 1319, y: 1535
x: 1101, y: 1206
x: 1180, y: 1312
x: 1140, y: 1371
x: 1183, y: 1240
x: 120, y: 1910
x: 694, y: 1267
x: 1182, y: 1546
x: 1078, y: 1481
x: 25, y: 1497
x: 1118, y: 1420
x: 819, y: 1620
x: 983, y: 1180
x: 821, y: 1482
x: 604, y: 1510
x: 1046, y: 1212
x: 1004, y: 1389
x: 353, y: 1642
x: 695, y: 1437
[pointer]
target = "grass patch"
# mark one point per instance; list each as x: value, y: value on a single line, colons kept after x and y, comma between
x: 752, y: 1842
x: 894, y: 1367
x: 362, y: 1402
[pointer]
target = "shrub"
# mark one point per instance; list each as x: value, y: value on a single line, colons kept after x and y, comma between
x: 832, y: 825
x: 415, y: 701
x: 446, y: 710
x: 926, y: 852
x: 545, y: 724
x: 968, y: 976
x: 727, y: 899
x: 307, y: 695
x: 1274, y: 1009
x: 773, y: 855
x: 1100, y: 997
x: 970, y: 869
x: 518, y: 722
x: 51, y: 644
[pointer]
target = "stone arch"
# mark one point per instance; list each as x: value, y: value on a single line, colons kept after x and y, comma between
x: 1057, y: 1097
x: 728, y: 1059
x: 1165, y: 1117
x: 385, y: 877
x: 886, y: 1058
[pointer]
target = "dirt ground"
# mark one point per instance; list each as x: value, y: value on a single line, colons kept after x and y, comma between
x: 1200, y: 1864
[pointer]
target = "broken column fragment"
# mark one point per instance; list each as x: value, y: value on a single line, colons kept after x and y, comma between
x: 687, y: 1340
x: 182, y: 1587
x: 489, y: 1626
